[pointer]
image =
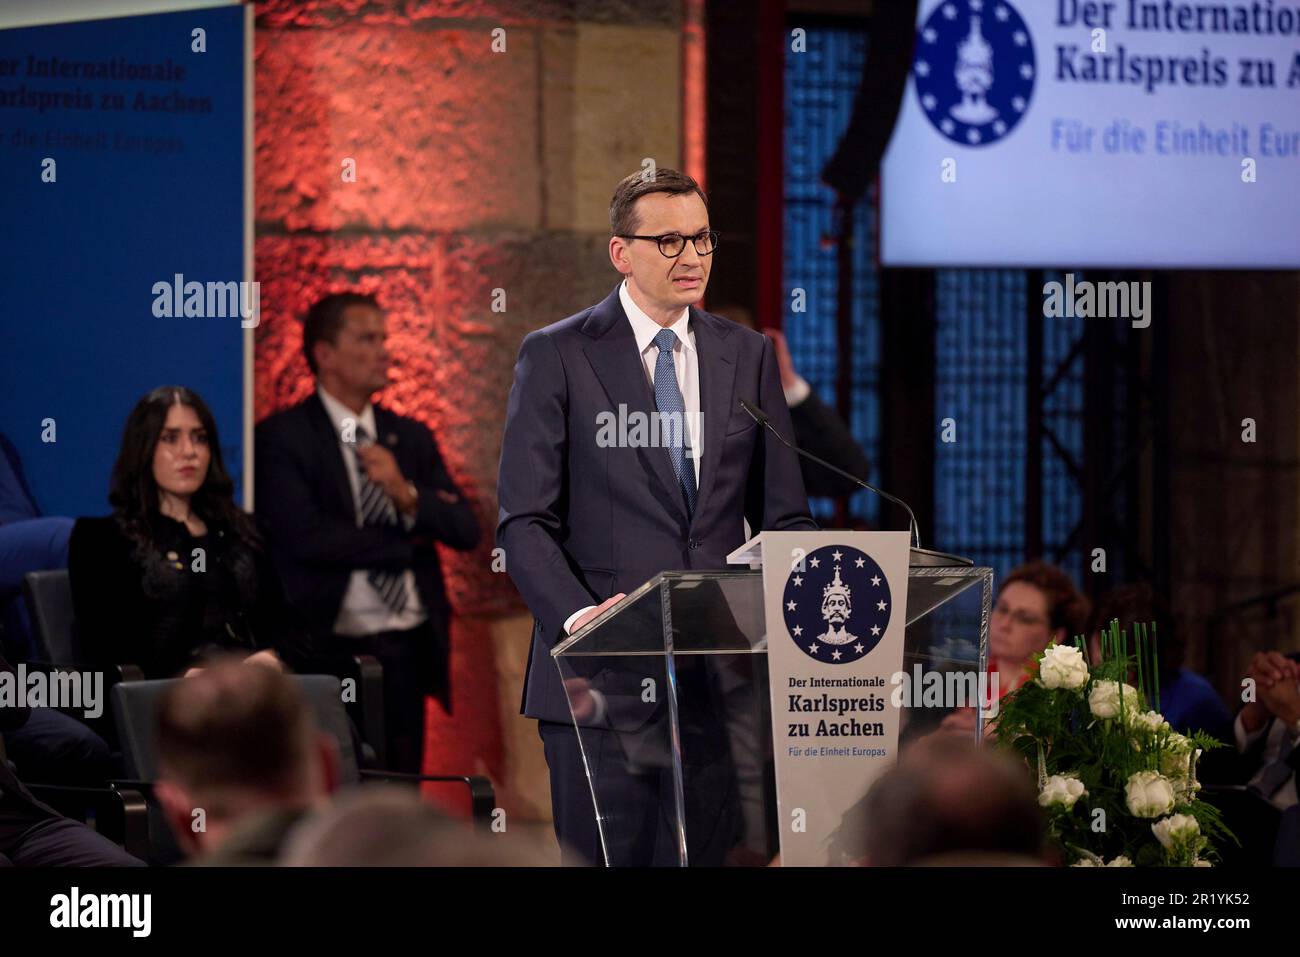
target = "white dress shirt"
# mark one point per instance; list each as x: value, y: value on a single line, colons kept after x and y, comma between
x: 686, y: 361
x: 1280, y: 741
x: 364, y: 611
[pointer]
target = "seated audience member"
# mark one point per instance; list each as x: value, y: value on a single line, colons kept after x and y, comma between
x: 1187, y: 700
x: 240, y: 762
x: 817, y: 427
x: 177, y: 573
x: 35, y: 835
x: 29, y: 542
x: 386, y: 826
x: 354, y: 498
x: 51, y: 747
x: 946, y: 802
x: 1036, y: 606
x: 1267, y: 730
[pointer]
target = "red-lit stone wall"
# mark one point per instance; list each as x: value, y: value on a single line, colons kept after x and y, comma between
x: 476, y: 171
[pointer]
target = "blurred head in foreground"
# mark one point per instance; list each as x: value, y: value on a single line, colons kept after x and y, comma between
x: 390, y: 826
x: 235, y: 744
x: 947, y: 802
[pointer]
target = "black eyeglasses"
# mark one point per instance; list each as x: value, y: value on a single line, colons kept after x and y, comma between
x: 672, y: 244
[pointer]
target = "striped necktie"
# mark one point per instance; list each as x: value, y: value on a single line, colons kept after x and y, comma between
x: 377, y: 510
x: 1280, y: 770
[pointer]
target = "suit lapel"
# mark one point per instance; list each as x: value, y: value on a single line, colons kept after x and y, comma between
x: 332, y: 455
x: 614, y: 358
x: 717, y: 357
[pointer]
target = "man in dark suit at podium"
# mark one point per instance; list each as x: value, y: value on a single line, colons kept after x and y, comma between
x: 584, y: 520
x: 354, y: 497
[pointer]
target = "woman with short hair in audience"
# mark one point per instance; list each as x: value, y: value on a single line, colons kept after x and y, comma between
x: 177, y: 573
x: 1037, y: 605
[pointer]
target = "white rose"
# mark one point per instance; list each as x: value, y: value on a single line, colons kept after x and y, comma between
x: 1175, y: 758
x: 1103, y: 701
x: 1061, y: 789
x: 1063, y: 667
x: 1200, y: 863
x: 1120, y: 861
x: 1084, y: 862
x: 1152, y: 721
x: 1149, y: 794
x: 1177, y: 829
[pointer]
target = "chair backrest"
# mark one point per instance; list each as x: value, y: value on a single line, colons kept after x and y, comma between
x: 49, y: 602
x: 135, y: 707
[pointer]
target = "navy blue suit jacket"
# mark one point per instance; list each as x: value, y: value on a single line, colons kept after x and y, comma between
x: 580, y: 522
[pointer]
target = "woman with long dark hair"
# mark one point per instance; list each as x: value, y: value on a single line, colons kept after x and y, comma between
x: 177, y: 574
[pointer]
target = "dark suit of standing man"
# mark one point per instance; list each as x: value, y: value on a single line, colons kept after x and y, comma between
x: 581, y: 522
x: 353, y: 498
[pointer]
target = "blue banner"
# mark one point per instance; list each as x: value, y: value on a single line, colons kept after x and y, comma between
x: 122, y: 256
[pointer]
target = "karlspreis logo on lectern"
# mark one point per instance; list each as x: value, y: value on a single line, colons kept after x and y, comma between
x: 836, y: 604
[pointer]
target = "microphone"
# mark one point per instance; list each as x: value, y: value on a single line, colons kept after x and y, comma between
x: 761, y: 417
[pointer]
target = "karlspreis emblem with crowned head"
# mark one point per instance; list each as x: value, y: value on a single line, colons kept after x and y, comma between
x: 836, y: 604
x: 974, y: 70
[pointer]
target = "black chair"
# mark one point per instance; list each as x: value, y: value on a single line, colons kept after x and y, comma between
x: 48, y: 595
x: 49, y: 602
x: 117, y: 813
x: 120, y: 813
x: 135, y: 706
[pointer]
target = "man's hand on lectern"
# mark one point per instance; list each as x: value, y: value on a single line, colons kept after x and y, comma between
x: 595, y: 612
x: 581, y: 702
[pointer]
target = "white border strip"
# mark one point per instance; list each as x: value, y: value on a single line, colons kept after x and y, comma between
x: 249, y: 332
x: 35, y: 13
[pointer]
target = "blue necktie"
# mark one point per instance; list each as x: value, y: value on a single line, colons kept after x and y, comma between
x: 672, y: 408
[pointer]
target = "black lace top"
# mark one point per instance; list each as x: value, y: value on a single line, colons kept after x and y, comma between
x: 177, y: 603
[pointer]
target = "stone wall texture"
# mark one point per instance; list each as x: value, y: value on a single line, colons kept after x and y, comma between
x: 482, y: 178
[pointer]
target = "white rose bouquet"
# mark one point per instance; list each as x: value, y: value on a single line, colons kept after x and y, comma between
x: 1116, y: 782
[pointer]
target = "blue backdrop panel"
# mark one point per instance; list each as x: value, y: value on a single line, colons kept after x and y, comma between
x: 150, y: 183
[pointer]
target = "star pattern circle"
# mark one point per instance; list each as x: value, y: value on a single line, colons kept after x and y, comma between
x: 974, y: 70
x: 846, y: 573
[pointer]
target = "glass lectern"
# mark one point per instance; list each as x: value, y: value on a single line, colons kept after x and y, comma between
x: 669, y: 693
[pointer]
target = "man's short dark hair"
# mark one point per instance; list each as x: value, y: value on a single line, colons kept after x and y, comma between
x: 235, y: 726
x: 325, y: 318
x: 623, y: 220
